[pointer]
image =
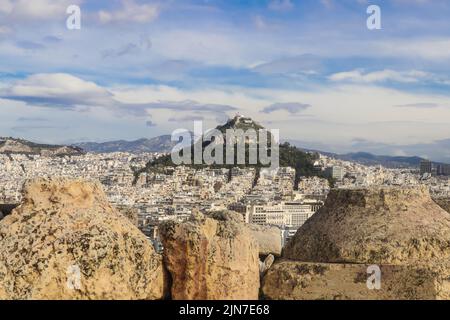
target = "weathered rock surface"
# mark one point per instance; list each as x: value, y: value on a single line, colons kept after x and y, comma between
x: 268, y: 238
x: 401, y: 230
x: 65, y: 228
x: 226, y: 215
x: 379, y: 225
x: 444, y: 204
x: 130, y: 213
x: 211, y: 257
x: 293, y: 280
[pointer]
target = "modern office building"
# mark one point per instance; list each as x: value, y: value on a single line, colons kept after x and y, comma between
x: 294, y: 213
x: 443, y: 169
x: 426, y: 166
x: 335, y: 172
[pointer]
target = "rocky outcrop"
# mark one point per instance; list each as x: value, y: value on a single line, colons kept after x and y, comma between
x: 268, y: 238
x: 20, y: 146
x: 380, y: 225
x: 130, y: 213
x: 211, y: 257
x: 399, y: 230
x: 293, y: 280
x: 444, y: 203
x: 65, y: 241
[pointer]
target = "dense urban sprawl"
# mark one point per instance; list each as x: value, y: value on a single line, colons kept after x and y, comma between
x: 268, y: 197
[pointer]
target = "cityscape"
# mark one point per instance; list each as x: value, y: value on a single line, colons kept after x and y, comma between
x: 211, y: 157
x: 176, y: 192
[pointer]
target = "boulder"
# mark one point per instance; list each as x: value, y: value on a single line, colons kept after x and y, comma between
x: 130, y: 213
x: 65, y: 241
x: 443, y: 203
x: 400, y: 231
x: 378, y: 225
x: 211, y: 258
x: 226, y: 215
x: 268, y: 238
x: 294, y: 280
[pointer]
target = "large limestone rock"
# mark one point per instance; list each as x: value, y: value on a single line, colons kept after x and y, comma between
x: 211, y: 257
x: 380, y: 225
x: 293, y: 280
x: 444, y: 203
x: 65, y: 241
x: 130, y: 213
x: 400, y: 230
x: 268, y: 238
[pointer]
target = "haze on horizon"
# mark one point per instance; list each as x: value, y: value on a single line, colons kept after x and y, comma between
x: 309, y: 68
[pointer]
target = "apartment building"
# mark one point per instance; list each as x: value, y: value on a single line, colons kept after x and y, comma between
x: 293, y: 213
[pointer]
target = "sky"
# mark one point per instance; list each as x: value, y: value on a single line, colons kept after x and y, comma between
x: 310, y: 68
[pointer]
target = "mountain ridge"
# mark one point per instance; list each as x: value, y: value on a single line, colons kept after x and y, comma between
x: 370, y: 159
x: 161, y: 144
x: 9, y: 145
x: 289, y: 156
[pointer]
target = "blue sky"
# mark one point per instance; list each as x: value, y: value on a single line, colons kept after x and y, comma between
x: 309, y: 68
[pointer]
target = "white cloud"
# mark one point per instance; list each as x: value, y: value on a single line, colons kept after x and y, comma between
x: 206, y: 46
x: 327, y: 3
x: 56, y: 90
x: 132, y: 12
x: 290, y: 107
x: 6, y: 6
x: 416, y: 1
x: 66, y: 92
x: 36, y: 9
x: 422, y: 105
x: 305, y: 64
x: 426, y: 48
x: 56, y: 83
x: 281, y: 5
x: 259, y: 22
x: 340, y: 112
x: 358, y: 76
x: 5, y: 30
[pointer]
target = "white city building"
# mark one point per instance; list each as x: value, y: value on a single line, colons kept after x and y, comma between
x: 293, y: 213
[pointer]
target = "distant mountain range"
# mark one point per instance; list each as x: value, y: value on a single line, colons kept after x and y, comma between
x: 161, y: 144
x: 369, y: 159
x: 19, y: 146
x: 386, y: 161
x: 164, y: 144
